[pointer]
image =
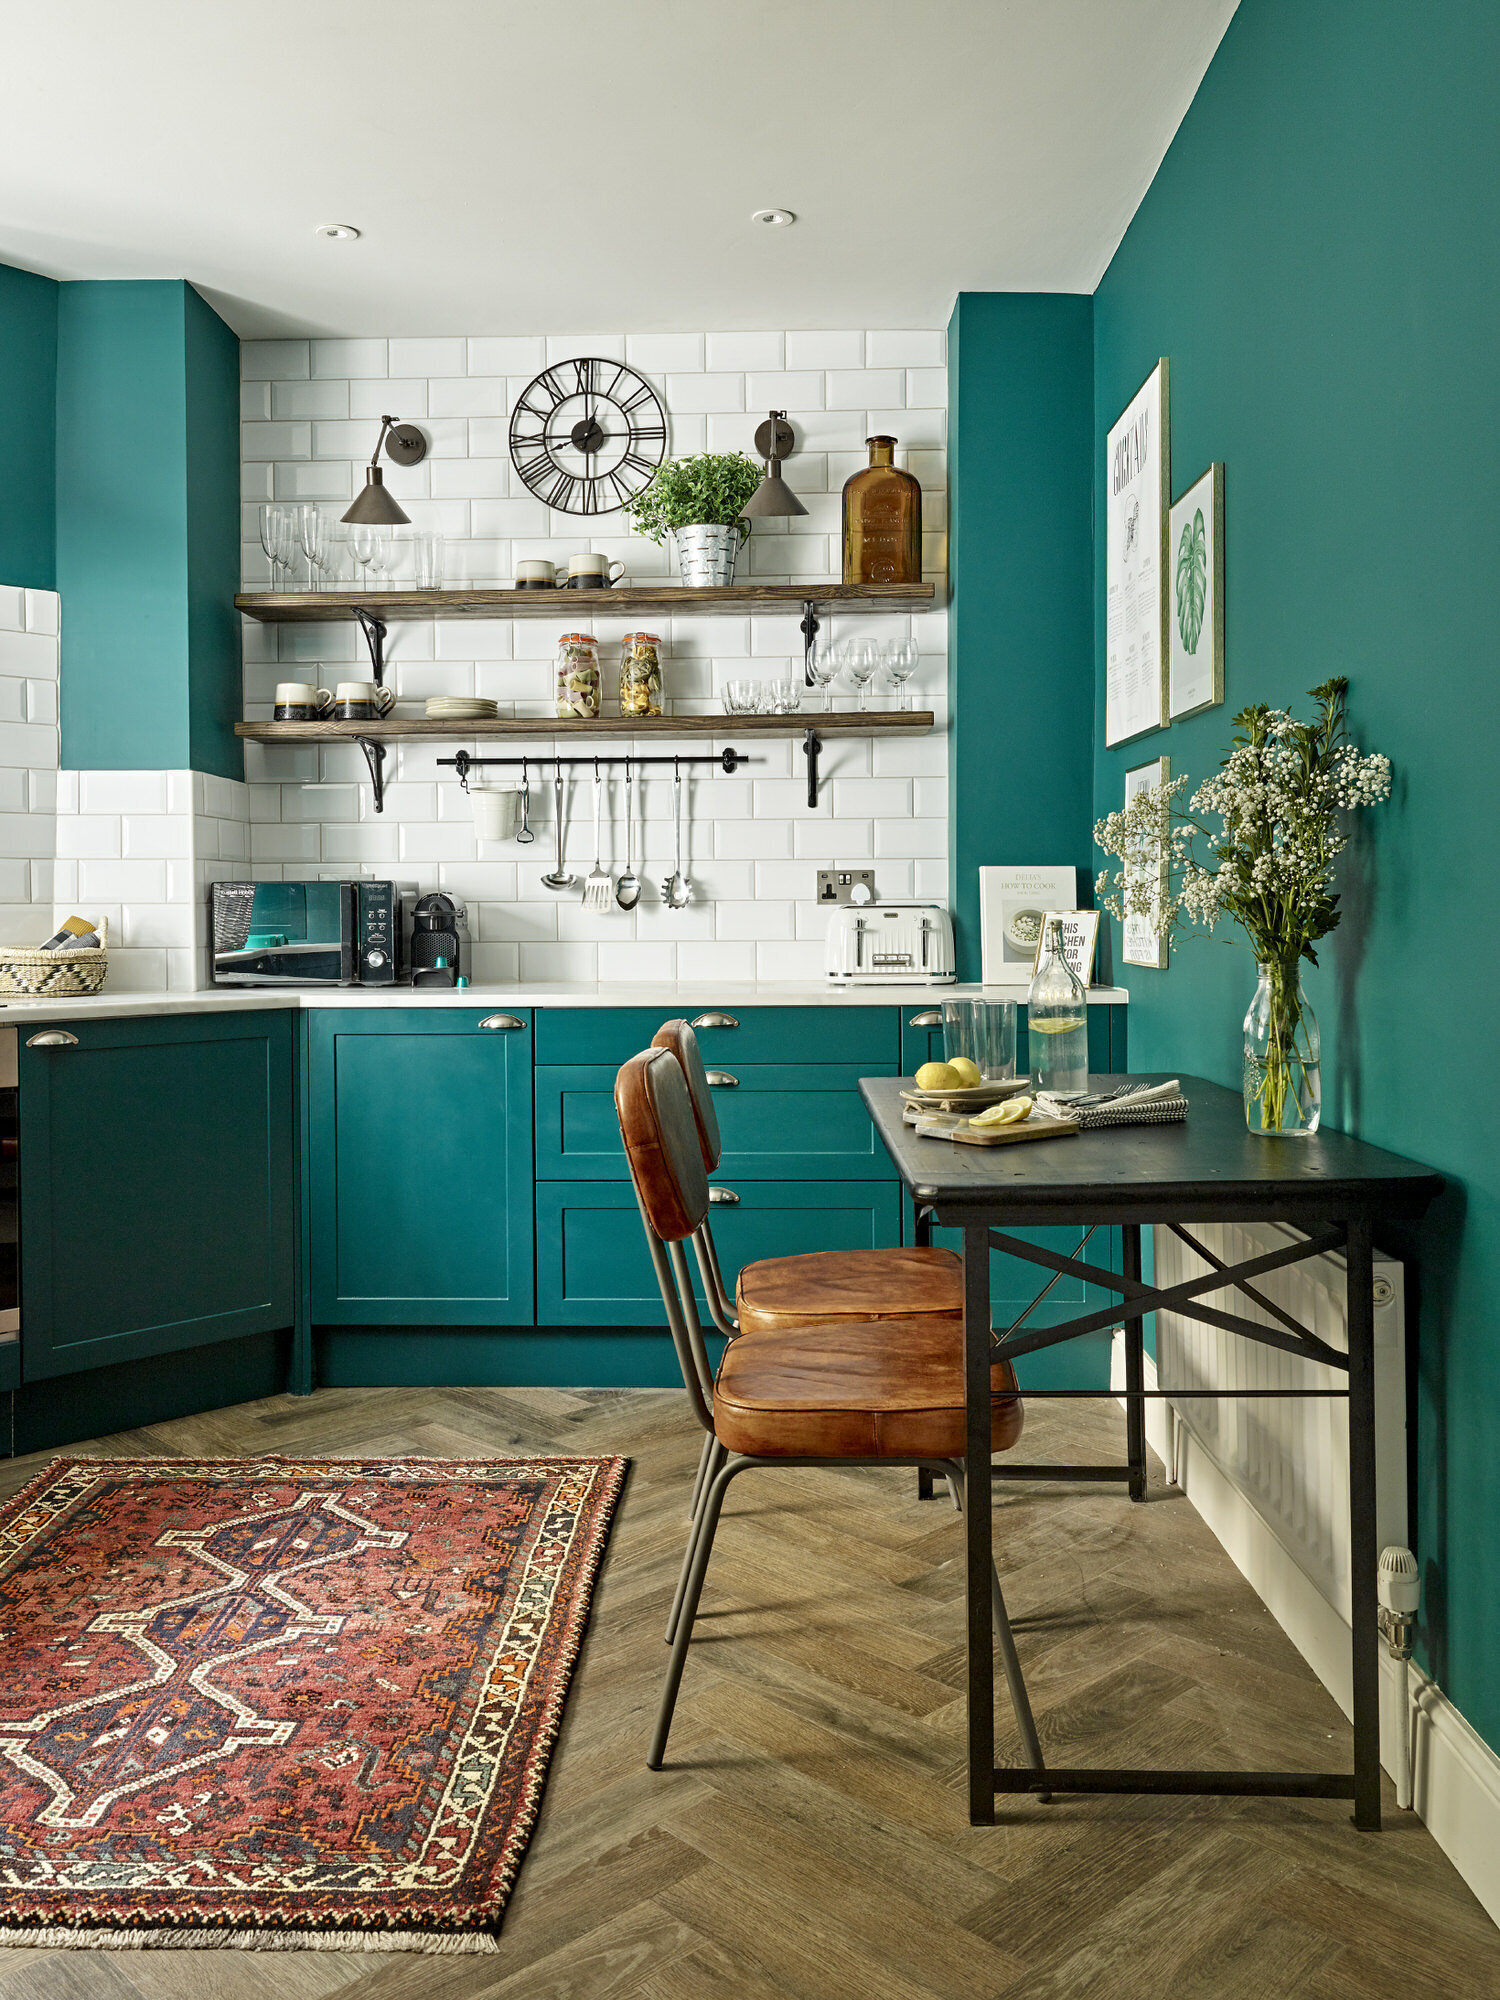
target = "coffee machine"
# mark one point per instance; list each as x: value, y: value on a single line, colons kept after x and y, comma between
x: 439, y: 950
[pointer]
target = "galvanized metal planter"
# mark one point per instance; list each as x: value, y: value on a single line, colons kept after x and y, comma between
x: 706, y: 555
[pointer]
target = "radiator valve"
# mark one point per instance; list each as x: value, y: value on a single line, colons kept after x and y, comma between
x: 1400, y: 1589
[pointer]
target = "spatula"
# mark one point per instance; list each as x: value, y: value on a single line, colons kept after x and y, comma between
x: 598, y: 885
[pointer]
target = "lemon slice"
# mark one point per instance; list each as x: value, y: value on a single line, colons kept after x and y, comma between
x: 1011, y: 1112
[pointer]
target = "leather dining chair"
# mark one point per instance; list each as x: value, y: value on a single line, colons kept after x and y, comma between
x: 819, y: 1287
x: 882, y: 1391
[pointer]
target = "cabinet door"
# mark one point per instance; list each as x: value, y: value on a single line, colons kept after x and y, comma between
x: 157, y: 1186
x: 420, y: 1167
x: 790, y: 1121
x: 594, y: 1269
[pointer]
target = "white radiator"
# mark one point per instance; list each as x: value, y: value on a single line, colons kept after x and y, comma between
x: 1270, y: 1475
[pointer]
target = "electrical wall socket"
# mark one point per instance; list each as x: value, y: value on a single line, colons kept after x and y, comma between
x: 836, y: 885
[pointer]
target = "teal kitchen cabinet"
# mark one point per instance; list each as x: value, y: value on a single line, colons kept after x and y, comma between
x: 787, y: 1121
x: 863, y: 1037
x: 420, y: 1167
x: 159, y: 1197
x: 595, y: 1268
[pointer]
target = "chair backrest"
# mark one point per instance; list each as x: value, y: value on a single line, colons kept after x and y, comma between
x: 666, y: 1167
x: 680, y: 1039
x: 661, y: 1143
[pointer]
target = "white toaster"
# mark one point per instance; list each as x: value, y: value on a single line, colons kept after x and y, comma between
x: 908, y: 943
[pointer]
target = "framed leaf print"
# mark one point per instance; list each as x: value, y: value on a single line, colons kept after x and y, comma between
x: 1195, y: 547
x: 1147, y: 870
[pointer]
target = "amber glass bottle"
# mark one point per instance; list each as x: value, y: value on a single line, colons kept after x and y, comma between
x: 882, y: 521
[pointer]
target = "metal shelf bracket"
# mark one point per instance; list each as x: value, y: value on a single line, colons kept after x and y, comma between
x: 373, y: 627
x: 809, y: 636
x: 812, y: 749
x: 375, y: 758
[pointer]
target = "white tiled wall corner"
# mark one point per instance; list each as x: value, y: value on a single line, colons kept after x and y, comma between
x: 310, y: 415
x: 140, y: 848
x: 30, y: 625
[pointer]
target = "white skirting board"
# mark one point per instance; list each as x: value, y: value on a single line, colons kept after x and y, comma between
x: 1456, y: 1789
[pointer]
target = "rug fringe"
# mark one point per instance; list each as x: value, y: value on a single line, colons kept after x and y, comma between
x: 67, y: 1937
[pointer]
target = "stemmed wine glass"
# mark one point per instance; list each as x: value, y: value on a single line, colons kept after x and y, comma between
x: 386, y: 558
x: 362, y: 546
x: 863, y: 658
x: 900, y: 659
x: 824, y: 664
x: 277, y: 539
x: 312, y: 528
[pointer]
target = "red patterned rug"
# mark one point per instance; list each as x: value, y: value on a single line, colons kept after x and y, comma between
x: 282, y: 1703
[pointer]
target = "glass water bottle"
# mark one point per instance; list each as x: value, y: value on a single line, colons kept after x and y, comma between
x: 1057, y: 1019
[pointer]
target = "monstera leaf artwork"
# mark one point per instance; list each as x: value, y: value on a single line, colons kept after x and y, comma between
x: 1192, y: 580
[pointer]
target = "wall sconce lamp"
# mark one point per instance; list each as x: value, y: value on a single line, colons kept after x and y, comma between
x: 774, y: 440
x: 403, y: 444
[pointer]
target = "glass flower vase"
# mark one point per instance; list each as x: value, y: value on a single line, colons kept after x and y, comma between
x: 1283, y: 1094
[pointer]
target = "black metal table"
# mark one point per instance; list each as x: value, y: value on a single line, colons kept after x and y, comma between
x: 1333, y: 1189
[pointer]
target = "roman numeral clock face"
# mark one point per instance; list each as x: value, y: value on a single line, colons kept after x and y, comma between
x: 586, y: 435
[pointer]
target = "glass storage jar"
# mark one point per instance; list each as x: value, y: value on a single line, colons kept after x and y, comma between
x: 640, y: 674
x: 578, y: 676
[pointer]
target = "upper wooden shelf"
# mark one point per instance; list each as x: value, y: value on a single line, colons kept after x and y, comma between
x: 635, y: 601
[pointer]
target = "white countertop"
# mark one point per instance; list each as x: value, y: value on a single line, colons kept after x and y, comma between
x: 617, y: 993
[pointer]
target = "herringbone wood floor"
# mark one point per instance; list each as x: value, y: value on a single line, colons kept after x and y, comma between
x: 808, y: 1840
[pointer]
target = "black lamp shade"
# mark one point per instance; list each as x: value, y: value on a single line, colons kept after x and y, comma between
x: 375, y: 507
x: 773, y: 496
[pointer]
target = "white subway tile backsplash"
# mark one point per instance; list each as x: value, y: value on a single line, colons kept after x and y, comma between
x: 349, y: 358
x: 906, y: 350
x: 730, y: 352
x: 825, y: 350
x: 43, y: 613
x: 507, y: 355
x: 469, y: 396
x: 656, y: 354
x: 427, y: 357
x: 274, y: 360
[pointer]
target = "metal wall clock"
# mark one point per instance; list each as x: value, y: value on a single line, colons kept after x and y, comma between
x: 585, y: 435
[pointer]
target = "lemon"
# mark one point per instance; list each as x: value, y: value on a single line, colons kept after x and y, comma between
x: 938, y: 1076
x: 969, y: 1071
x: 1013, y: 1111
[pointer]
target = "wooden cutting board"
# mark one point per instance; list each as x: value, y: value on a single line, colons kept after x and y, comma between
x: 1014, y: 1135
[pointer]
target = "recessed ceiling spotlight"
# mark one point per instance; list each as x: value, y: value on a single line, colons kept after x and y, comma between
x: 337, y: 232
x: 774, y: 218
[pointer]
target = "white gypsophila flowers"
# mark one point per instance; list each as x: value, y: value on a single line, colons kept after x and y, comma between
x: 1278, y: 797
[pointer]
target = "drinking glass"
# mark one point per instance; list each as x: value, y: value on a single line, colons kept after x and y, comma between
x: 362, y: 547
x: 900, y: 659
x: 863, y: 658
x: 780, y: 697
x: 385, y: 558
x: 823, y: 664
x: 742, y: 697
x: 428, y: 553
x: 985, y: 1032
x: 312, y: 532
x: 278, y: 536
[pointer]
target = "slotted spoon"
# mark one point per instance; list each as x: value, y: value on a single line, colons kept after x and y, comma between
x: 598, y: 884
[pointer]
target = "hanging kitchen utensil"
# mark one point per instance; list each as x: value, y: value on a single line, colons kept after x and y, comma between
x: 560, y: 878
x: 598, y: 888
x: 628, y: 888
x: 677, y: 890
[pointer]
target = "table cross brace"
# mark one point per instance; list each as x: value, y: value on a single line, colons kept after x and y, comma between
x: 1181, y: 1298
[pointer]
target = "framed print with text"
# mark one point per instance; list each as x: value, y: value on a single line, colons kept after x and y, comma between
x: 1195, y: 541
x: 1139, y: 944
x: 1079, y: 931
x: 1137, y: 479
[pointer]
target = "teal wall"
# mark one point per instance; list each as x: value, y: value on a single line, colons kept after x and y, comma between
x: 1020, y: 643
x: 28, y: 401
x: 1318, y: 258
x: 147, y: 534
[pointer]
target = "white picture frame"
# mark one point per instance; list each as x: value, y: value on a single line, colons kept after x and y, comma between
x: 1195, y: 545
x: 1136, y: 485
x: 1080, y: 942
x: 1139, y: 944
x: 1006, y: 897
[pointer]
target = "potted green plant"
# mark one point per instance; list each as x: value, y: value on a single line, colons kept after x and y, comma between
x: 700, y: 502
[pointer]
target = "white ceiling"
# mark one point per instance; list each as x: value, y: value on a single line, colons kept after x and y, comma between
x: 520, y: 166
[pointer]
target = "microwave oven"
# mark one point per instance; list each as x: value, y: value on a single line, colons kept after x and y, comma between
x: 351, y: 933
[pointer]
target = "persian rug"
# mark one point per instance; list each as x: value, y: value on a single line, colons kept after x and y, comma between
x: 284, y: 1703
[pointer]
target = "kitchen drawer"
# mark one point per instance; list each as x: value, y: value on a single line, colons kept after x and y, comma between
x: 784, y: 1121
x: 866, y: 1036
x: 593, y: 1267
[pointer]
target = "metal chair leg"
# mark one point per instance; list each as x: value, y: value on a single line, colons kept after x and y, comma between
x: 704, y: 1456
x: 702, y: 1548
x: 1020, y: 1701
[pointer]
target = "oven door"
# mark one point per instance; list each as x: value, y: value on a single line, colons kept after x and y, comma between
x: 283, y: 933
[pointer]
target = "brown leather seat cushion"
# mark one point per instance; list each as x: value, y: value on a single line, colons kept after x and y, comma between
x: 847, y: 1284
x: 890, y: 1388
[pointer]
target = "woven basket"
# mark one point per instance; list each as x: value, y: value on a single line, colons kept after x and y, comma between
x: 55, y: 975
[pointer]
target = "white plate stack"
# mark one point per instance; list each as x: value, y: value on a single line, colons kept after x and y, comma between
x: 461, y: 708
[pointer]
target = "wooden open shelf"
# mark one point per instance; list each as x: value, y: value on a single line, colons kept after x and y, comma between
x: 635, y: 601
x: 849, y: 722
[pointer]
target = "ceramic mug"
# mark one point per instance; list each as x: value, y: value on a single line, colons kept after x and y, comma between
x: 300, y: 701
x: 536, y: 574
x: 362, y: 701
x: 588, y: 572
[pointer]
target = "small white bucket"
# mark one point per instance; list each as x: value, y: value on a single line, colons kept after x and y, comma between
x: 496, y: 810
